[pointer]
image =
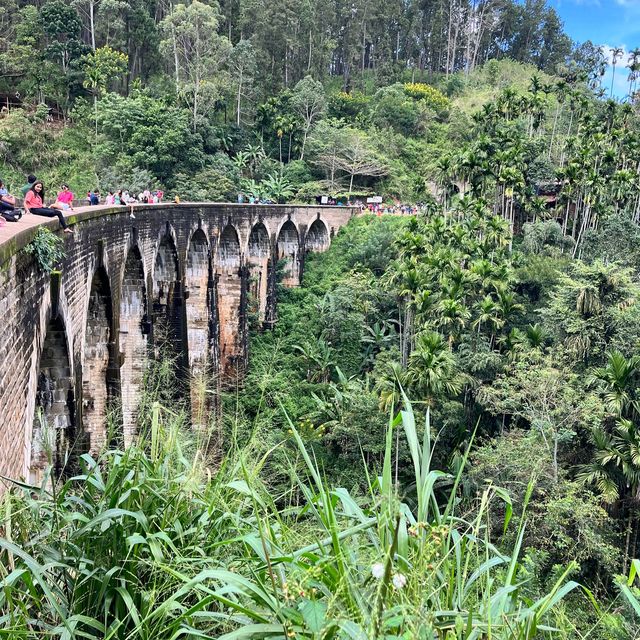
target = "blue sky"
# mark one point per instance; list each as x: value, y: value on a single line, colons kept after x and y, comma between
x: 606, y: 22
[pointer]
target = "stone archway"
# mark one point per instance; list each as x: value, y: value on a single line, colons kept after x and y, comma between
x: 317, y: 238
x: 199, y: 291
x: 54, y: 436
x: 167, y: 303
x: 230, y: 298
x: 288, y: 247
x: 259, y: 258
x: 97, y: 362
x: 134, y: 332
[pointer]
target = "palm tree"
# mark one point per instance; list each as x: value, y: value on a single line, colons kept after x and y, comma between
x: 453, y: 316
x: 615, y: 472
x: 276, y: 187
x: 506, y: 305
x: 255, y: 155
x: 616, y: 54
x: 618, y: 382
x: 633, y: 65
x: 536, y: 336
x: 389, y: 387
x: 487, y: 314
x: 432, y: 369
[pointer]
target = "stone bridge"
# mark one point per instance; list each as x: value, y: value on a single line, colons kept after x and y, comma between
x: 185, y: 275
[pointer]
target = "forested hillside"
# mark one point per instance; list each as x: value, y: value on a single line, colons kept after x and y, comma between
x: 288, y: 100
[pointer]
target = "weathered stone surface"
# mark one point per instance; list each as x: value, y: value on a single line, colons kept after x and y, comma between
x: 73, y: 342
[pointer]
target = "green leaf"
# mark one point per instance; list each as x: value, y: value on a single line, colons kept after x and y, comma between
x: 314, y: 613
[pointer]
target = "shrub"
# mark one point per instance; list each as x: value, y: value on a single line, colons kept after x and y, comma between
x: 433, y: 98
x: 47, y: 249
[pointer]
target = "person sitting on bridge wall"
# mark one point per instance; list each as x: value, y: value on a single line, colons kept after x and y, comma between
x: 34, y: 203
x: 8, y: 205
x: 65, y: 198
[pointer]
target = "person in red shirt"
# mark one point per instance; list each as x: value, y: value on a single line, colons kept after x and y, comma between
x: 65, y: 198
x: 34, y: 203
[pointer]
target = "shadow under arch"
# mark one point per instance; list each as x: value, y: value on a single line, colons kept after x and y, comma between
x: 167, y: 308
x: 200, y: 311
x: 99, y: 373
x: 317, y: 238
x: 54, y: 437
x: 228, y: 256
x: 133, y: 340
x: 259, y: 263
x: 231, y: 292
x: 288, y: 248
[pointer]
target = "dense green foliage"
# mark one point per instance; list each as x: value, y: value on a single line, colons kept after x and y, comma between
x: 141, y: 544
x: 284, y: 101
x: 512, y: 507
x: 531, y: 350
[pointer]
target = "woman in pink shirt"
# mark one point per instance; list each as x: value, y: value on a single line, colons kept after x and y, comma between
x: 34, y: 203
x: 65, y: 198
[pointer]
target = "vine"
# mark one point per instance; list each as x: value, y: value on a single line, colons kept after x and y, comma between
x: 47, y: 249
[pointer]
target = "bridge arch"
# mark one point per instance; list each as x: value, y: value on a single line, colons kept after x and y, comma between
x: 259, y: 245
x: 199, y: 292
x: 317, y: 237
x: 135, y: 327
x: 259, y: 263
x: 54, y: 433
x: 230, y: 295
x: 98, y: 367
x: 167, y: 312
x: 288, y: 250
x: 229, y: 254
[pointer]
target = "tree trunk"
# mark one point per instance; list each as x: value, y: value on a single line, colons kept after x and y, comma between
x: 239, y: 98
x: 304, y: 142
x: 92, y: 25
x: 627, y: 544
x: 176, y: 61
x: 95, y: 111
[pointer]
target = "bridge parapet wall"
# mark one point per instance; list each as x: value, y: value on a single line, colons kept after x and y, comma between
x: 74, y: 340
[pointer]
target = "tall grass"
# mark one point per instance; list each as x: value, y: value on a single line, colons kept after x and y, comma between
x: 148, y: 543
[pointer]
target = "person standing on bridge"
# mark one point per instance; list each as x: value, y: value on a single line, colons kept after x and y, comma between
x: 34, y: 203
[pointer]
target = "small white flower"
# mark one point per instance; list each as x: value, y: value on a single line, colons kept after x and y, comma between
x: 399, y: 580
x: 377, y: 570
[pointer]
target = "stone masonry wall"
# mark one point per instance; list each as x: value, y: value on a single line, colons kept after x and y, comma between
x: 99, y: 309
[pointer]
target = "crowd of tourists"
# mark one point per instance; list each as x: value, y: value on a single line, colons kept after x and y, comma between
x: 123, y: 197
x: 33, y: 201
x: 396, y: 208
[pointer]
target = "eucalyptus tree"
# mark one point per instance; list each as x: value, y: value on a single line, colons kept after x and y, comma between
x: 198, y: 54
